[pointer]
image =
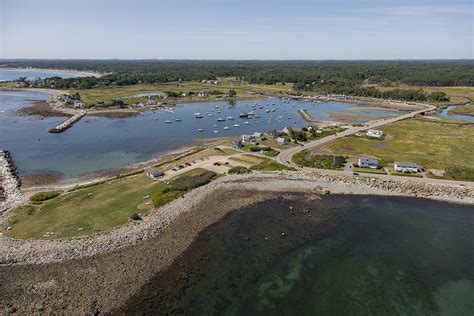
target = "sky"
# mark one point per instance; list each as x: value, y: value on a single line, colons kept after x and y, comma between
x: 237, y: 29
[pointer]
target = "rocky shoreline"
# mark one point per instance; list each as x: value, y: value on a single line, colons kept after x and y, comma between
x: 45, y: 251
x: 98, y: 273
x: 9, y: 182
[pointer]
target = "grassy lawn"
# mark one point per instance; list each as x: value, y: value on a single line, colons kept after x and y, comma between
x: 93, y: 209
x: 248, y: 159
x: 369, y: 170
x: 270, y: 165
x: 429, y: 143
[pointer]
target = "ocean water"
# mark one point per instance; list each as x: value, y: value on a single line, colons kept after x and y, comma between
x: 96, y: 143
x: 7, y: 74
x: 343, y: 255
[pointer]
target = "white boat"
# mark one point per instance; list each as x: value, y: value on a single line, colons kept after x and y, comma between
x: 168, y: 121
x: 268, y: 111
x: 200, y: 130
x: 226, y: 127
x: 198, y: 115
x: 236, y: 125
x: 230, y: 118
x: 246, y: 122
x: 215, y: 125
x: 210, y: 115
x: 215, y: 132
x: 178, y: 119
x: 220, y: 119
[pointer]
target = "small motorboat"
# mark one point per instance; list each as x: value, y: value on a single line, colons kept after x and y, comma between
x: 178, y: 120
x: 226, y: 127
x: 200, y: 130
x: 198, y: 115
x: 167, y: 121
x: 236, y: 125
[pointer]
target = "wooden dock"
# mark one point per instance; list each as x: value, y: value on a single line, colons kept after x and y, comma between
x: 68, y: 123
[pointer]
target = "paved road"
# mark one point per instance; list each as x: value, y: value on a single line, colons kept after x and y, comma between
x: 285, y: 156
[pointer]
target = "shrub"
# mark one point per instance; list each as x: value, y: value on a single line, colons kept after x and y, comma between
x: 136, y: 217
x: 304, y: 158
x: 186, y: 183
x: 270, y: 165
x: 162, y: 198
x: 43, y: 196
x: 460, y: 173
x: 239, y: 170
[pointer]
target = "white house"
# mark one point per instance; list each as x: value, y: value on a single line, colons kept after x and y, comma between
x: 406, y: 166
x: 375, y: 133
x: 248, y: 139
x: 257, y: 134
x: 365, y: 162
x: 79, y: 104
x: 281, y: 141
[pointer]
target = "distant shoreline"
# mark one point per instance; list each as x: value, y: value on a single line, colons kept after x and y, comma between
x: 81, y: 73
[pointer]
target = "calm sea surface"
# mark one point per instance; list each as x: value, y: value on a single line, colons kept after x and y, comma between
x: 96, y: 143
x: 7, y: 74
x: 344, y: 255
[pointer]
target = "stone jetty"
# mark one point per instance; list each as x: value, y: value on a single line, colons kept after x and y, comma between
x: 68, y: 123
x: 9, y: 182
x: 308, y: 118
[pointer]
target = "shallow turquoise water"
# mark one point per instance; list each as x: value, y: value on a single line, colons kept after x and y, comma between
x: 345, y: 255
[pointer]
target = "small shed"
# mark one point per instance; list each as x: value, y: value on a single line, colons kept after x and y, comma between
x: 154, y: 173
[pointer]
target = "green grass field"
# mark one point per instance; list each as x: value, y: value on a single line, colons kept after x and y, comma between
x: 95, y: 209
x: 429, y: 143
x: 369, y: 170
x: 109, y: 93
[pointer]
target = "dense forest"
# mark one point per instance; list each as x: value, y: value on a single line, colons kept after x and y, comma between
x: 343, y: 77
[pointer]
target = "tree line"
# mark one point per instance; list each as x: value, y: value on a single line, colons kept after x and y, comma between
x: 329, y: 75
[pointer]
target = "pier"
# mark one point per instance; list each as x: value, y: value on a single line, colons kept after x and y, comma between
x: 308, y: 118
x: 9, y: 182
x: 68, y: 123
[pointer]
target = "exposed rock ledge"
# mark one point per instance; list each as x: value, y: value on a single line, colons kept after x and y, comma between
x: 44, y: 251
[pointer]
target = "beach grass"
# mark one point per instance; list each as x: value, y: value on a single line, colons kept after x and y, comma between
x: 93, y: 209
x: 435, y: 144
